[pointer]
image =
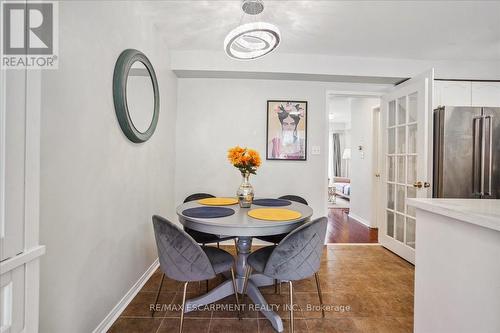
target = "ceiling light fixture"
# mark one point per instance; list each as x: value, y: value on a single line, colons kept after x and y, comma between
x: 252, y: 40
x: 252, y: 7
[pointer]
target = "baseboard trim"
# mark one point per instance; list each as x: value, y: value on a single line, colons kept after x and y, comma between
x: 108, y: 321
x: 360, y: 219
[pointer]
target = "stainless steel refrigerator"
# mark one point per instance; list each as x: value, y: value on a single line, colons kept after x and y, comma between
x: 466, y: 152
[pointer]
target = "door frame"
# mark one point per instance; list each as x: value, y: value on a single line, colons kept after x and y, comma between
x: 377, y: 162
x: 347, y: 93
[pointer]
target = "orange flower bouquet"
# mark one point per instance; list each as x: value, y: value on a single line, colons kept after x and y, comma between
x: 247, y: 161
x: 244, y: 159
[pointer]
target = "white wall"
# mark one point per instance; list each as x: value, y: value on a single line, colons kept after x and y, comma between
x: 216, y: 114
x: 99, y: 190
x: 361, y: 164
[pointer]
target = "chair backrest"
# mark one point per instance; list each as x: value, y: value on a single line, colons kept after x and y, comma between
x: 298, y: 255
x: 181, y: 258
x: 295, y: 198
x: 198, y: 196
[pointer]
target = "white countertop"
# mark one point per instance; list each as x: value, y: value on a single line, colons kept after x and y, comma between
x: 481, y: 212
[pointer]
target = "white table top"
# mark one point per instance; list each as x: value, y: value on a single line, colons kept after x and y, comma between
x: 481, y: 212
x: 240, y: 224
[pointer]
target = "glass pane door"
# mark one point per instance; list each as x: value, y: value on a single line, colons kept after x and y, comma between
x: 405, y: 115
x: 401, y: 158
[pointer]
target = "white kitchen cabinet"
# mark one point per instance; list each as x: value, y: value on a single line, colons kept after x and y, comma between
x: 466, y: 93
x: 458, y: 242
x: 485, y: 94
x: 456, y: 93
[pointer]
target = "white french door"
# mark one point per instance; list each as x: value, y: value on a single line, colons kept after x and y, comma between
x: 406, y: 114
x: 20, y: 251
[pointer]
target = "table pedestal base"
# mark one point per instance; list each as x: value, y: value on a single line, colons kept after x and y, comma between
x: 226, y: 288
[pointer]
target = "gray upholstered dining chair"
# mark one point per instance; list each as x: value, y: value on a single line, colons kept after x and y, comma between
x: 296, y: 257
x: 203, y: 237
x: 275, y: 239
x: 183, y: 259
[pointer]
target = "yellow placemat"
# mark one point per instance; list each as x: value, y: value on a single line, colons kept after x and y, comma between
x: 274, y: 214
x: 218, y: 201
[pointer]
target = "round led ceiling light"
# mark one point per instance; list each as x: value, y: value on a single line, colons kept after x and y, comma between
x: 252, y: 40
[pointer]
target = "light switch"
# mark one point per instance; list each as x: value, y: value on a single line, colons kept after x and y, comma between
x: 316, y: 150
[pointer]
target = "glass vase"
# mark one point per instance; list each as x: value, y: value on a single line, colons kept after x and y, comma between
x: 245, y: 191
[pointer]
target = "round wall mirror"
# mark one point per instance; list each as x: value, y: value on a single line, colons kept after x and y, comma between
x: 136, y: 96
x: 140, y: 96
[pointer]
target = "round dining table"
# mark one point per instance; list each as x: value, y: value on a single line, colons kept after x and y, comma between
x: 243, y: 226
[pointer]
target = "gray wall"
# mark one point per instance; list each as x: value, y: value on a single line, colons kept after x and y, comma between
x: 99, y: 190
x: 216, y: 114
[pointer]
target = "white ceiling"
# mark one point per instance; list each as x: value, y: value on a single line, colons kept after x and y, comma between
x: 438, y: 30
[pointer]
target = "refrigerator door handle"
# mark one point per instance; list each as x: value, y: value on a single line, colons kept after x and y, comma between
x: 477, y: 157
x: 488, y: 137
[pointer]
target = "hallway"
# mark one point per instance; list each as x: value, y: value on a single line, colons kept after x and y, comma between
x: 343, y: 229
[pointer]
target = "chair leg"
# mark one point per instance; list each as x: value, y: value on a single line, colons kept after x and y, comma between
x: 235, y: 289
x: 318, y: 286
x: 158, y: 294
x: 276, y: 282
x: 218, y: 245
x: 277, y: 287
x: 236, y: 245
x: 245, y: 282
x: 183, y: 305
x: 291, y: 305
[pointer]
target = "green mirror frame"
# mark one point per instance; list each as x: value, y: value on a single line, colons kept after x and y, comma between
x: 125, y: 61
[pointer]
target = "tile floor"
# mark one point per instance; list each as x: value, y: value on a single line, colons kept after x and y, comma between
x: 368, y: 288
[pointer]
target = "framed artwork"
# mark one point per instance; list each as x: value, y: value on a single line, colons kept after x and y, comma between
x: 286, y: 130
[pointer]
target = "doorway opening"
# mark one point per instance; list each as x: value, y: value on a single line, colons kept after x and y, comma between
x: 352, y: 164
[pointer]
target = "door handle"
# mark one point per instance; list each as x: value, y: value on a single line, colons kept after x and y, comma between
x: 420, y: 184
x: 488, y: 149
x: 477, y: 167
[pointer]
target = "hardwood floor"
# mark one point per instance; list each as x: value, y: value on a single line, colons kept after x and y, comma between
x: 366, y: 288
x: 343, y: 229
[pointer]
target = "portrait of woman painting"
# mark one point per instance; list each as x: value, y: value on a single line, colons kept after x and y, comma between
x: 286, y: 130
